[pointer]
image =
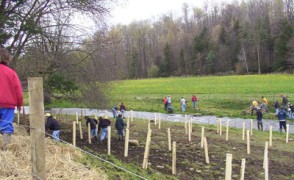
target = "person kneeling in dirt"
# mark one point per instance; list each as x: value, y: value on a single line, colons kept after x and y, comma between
x: 53, y: 125
x: 120, y: 126
x: 93, y: 124
x: 259, y: 119
x: 103, y: 124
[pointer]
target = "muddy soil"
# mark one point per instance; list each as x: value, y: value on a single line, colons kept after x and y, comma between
x: 190, y: 156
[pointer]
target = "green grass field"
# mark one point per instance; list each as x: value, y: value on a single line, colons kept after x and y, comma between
x: 218, y: 95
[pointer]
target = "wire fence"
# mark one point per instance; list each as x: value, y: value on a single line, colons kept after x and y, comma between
x: 26, y: 127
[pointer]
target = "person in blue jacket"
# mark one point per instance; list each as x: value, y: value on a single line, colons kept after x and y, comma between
x: 120, y: 126
x: 282, y: 114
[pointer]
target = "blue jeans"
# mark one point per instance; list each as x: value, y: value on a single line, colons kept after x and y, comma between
x: 123, y: 113
x: 183, y: 107
x: 56, y: 134
x: 103, y: 134
x: 93, y: 132
x: 114, y: 112
x: 6, y: 120
x: 194, y: 104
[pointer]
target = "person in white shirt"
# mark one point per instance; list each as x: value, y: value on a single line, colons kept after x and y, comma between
x: 183, y: 104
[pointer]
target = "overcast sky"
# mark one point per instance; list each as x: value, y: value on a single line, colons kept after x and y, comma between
x: 136, y: 10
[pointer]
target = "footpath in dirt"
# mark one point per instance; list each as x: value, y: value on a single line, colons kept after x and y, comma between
x: 233, y: 122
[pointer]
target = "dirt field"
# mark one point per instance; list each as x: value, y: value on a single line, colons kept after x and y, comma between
x: 190, y: 156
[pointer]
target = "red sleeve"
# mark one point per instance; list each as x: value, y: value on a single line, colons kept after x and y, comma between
x: 18, y: 91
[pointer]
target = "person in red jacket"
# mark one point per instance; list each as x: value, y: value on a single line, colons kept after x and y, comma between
x: 10, y: 97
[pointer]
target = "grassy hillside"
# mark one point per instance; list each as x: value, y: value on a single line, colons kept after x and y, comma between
x: 218, y: 95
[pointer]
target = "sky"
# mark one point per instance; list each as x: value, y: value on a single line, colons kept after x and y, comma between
x: 136, y: 10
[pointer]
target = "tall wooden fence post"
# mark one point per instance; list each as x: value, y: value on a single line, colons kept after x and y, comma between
x: 37, y: 124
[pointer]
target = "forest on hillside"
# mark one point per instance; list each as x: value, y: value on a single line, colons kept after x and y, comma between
x: 242, y: 37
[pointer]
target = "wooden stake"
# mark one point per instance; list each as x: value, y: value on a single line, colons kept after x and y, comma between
x: 220, y: 127
x: 248, y: 142
x: 287, y: 133
x: 251, y: 127
x: 243, y: 132
x: 128, y: 122
x: 169, y: 139
x: 155, y: 118
x: 159, y: 122
x: 191, y: 126
x: 271, y: 136
x: 265, y: 154
x: 146, y: 152
x: 202, y: 137
x: 265, y: 161
x: 81, y: 130
x: 149, y: 125
x: 228, y: 175
x: 217, y: 125
x: 186, y: 128
x: 242, y: 169
x: 108, y: 139
x: 126, y: 143
x: 74, y: 133
x: 77, y: 118
x: 189, y: 131
x: 37, y: 124
x: 89, y: 134
x: 206, y: 151
x: 174, y: 159
x: 227, y: 131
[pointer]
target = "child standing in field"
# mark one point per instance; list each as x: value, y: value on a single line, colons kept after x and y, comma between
x: 259, y: 119
x: 120, y: 126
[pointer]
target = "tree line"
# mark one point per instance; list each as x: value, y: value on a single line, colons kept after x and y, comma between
x: 242, y: 37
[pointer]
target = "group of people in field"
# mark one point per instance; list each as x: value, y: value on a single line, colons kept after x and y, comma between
x: 121, y: 110
x: 97, y: 126
x: 281, y: 111
x: 168, y: 104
